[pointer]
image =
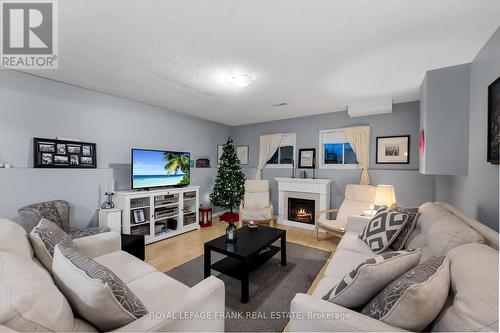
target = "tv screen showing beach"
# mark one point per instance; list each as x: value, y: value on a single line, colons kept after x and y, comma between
x: 154, y: 168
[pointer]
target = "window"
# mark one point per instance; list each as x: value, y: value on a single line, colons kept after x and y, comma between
x: 335, y: 152
x: 283, y: 157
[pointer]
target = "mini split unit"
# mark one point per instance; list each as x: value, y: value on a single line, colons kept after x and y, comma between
x: 369, y: 108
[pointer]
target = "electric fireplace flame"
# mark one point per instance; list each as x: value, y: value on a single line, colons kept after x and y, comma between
x: 303, y: 214
x: 301, y: 210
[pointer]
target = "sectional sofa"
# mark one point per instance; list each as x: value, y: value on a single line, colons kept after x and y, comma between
x: 30, y: 300
x: 472, y: 303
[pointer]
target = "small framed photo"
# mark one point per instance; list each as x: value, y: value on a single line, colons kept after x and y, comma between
x: 393, y: 149
x: 61, y: 159
x: 61, y: 149
x: 242, y: 154
x: 47, y: 159
x: 307, y: 158
x: 86, y: 160
x: 139, y: 216
x: 45, y: 147
x: 74, y: 149
x: 74, y: 160
x: 220, y: 150
x: 86, y: 150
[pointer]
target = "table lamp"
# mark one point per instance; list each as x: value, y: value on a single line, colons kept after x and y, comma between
x: 384, y: 195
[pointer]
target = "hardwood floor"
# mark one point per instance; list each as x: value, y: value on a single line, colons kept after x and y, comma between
x: 167, y: 254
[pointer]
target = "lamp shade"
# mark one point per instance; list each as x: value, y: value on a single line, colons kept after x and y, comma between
x: 384, y: 195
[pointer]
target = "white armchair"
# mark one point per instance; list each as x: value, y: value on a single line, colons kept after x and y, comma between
x: 357, y: 199
x: 256, y: 204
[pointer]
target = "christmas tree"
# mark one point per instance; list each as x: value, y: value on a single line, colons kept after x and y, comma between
x: 229, y: 185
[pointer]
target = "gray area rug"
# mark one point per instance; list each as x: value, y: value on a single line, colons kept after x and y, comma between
x: 272, y: 287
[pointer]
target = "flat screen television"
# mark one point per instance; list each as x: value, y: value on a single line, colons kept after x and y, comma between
x: 158, y: 168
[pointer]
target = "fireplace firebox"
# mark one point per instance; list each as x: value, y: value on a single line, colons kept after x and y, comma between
x: 301, y: 210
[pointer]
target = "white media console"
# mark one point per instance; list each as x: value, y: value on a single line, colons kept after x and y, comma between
x: 161, y: 213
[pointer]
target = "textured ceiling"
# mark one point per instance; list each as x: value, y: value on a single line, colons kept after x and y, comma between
x: 318, y: 56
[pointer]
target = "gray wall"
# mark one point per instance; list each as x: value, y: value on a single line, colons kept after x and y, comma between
x: 477, y: 193
x: 412, y: 188
x: 37, y: 107
x: 444, y: 117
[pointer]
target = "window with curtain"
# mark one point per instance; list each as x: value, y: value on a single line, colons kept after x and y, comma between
x: 335, y: 152
x: 283, y: 157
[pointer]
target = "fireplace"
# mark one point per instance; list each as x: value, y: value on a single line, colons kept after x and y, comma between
x: 301, y: 210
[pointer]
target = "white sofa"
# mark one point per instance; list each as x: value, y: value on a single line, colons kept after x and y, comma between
x: 473, y: 297
x: 30, y: 301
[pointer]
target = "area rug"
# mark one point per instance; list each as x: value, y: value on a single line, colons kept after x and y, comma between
x: 272, y: 287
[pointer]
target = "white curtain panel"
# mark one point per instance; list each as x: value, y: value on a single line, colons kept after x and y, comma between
x: 359, y: 138
x: 268, y: 146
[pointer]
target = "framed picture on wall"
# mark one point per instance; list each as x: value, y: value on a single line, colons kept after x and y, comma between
x: 393, y: 149
x: 494, y: 122
x: 307, y: 158
x: 220, y: 150
x: 52, y: 153
x: 242, y: 154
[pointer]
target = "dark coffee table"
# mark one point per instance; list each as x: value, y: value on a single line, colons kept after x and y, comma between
x: 252, y: 249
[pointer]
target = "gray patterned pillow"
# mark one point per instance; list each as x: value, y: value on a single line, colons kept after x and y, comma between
x: 95, y: 292
x: 407, y: 229
x: 364, y: 282
x: 46, y: 210
x: 44, y: 237
x: 383, y: 229
x: 413, y: 300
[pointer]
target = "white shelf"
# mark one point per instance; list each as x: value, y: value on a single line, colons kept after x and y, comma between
x: 140, y: 223
x: 125, y: 198
x: 141, y: 207
x: 168, y: 205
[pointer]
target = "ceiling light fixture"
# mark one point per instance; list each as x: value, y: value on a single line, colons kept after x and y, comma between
x: 242, y: 80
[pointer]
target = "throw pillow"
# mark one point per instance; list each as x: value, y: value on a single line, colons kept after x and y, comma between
x: 413, y: 300
x: 383, y: 229
x: 365, y: 281
x: 95, y: 292
x: 44, y: 237
x: 408, y: 228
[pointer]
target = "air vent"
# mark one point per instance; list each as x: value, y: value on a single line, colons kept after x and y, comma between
x: 280, y: 104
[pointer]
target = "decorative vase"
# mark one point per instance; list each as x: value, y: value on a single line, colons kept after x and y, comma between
x: 231, y: 233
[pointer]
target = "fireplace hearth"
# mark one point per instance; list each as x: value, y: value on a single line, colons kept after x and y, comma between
x: 301, y: 210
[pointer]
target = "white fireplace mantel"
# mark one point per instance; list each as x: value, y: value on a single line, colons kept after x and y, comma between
x: 319, y: 189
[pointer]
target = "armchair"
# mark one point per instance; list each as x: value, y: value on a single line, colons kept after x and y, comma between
x: 357, y: 199
x: 256, y: 204
x: 57, y: 211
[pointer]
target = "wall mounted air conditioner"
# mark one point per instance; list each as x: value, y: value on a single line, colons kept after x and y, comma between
x: 370, y: 108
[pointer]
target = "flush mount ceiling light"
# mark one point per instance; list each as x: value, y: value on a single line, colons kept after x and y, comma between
x: 241, y: 80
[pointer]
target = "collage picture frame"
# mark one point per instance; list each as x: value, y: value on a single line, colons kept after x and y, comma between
x: 51, y: 153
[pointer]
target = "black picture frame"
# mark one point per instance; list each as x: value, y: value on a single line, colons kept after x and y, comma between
x: 493, y: 144
x: 379, y: 156
x: 54, y: 154
x: 309, y: 165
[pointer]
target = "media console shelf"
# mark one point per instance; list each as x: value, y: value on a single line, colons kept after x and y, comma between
x: 159, y: 214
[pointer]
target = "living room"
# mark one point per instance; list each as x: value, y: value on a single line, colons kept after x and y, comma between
x: 249, y: 166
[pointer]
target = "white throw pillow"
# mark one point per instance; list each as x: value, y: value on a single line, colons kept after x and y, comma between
x: 94, y: 292
x: 473, y: 300
x: 383, y: 229
x: 365, y: 281
x: 44, y: 238
x: 29, y: 298
x: 413, y: 300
